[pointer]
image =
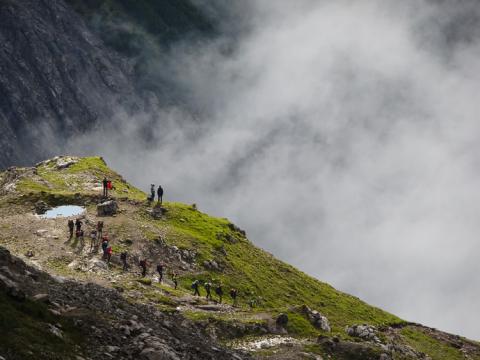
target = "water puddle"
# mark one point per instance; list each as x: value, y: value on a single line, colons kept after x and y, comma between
x: 64, y: 211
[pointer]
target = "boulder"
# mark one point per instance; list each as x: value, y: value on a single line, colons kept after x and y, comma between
x: 365, y: 332
x: 211, y: 265
x: 65, y: 162
x: 41, y: 207
x: 107, y: 208
x: 316, y: 319
x: 282, y: 320
x: 158, y: 211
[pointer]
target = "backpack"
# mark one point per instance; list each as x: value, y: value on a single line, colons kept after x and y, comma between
x: 160, y: 268
x: 123, y: 256
x: 195, y: 284
x: 71, y: 224
x: 143, y: 263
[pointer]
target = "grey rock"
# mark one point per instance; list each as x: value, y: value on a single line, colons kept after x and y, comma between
x: 41, y: 207
x: 107, y: 208
x: 282, y: 320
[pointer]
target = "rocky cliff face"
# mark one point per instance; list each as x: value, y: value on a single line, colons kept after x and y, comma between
x: 56, y: 78
x: 68, y: 66
x: 91, y: 322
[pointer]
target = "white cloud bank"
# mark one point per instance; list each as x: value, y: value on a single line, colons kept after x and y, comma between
x: 344, y: 137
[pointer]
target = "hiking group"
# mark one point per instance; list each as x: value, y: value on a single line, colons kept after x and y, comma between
x: 98, y: 237
x: 159, y: 193
x: 218, y: 291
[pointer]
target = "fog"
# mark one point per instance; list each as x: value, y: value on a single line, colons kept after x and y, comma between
x: 342, y: 136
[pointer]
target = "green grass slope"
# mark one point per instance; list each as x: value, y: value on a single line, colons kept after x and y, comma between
x: 270, y: 284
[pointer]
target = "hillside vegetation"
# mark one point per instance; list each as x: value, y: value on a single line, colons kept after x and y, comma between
x: 196, y: 246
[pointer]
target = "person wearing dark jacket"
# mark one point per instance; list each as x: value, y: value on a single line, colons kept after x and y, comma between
x: 71, y: 225
x: 160, y: 194
x: 160, y: 272
x: 105, y: 186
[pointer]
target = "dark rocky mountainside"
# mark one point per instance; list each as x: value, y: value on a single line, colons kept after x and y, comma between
x: 67, y: 66
x: 56, y: 78
x: 70, y: 320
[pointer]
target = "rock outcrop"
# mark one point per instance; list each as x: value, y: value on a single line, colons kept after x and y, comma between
x: 112, y: 327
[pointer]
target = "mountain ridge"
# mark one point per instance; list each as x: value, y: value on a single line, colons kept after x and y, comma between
x: 320, y: 320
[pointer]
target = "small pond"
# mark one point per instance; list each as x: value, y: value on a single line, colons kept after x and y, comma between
x: 64, y: 211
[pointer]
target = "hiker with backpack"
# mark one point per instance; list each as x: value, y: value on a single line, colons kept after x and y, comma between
x: 93, y: 240
x: 174, y: 279
x: 105, y: 246
x: 143, y: 264
x: 71, y: 225
x: 105, y: 186
x: 152, y: 193
x: 78, y: 225
x: 123, y: 257
x: 208, y: 288
x: 100, y: 229
x: 233, y: 295
x: 160, y: 272
x: 160, y: 194
x: 108, y: 252
x: 196, y: 288
x: 219, y: 292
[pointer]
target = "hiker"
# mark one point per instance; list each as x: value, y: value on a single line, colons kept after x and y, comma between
x: 105, y: 187
x: 100, y: 229
x: 93, y: 239
x: 123, y: 257
x: 233, y: 295
x: 78, y: 225
x: 160, y: 194
x: 79, y: 234
x: 71, y: 225
x: 160, y: 272
x: 195, y: 287
x: 104, y: 247
x: 152, y: 193
x: 174, y: 279
x: 208, y: 287
x: 108, y: 252
x: 219, y: 292
x: 143, y: 264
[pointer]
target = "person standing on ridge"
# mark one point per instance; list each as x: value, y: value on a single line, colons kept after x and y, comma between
x: 71, y: 225
x: 160, y: 272
x: 152, y: 193
x: 160, y: 194
x: 105, y: 186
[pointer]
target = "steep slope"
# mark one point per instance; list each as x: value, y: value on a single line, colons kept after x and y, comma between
x: 276, y: 312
